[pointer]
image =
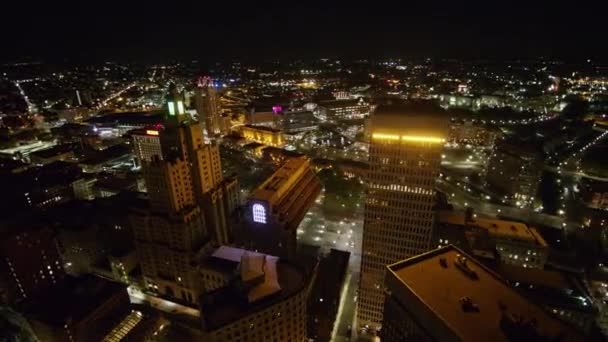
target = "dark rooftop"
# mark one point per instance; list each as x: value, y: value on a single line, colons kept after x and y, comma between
x: 263, y: 128
x: 76, y: 298
x: 502, y: 309
x: 225, y: 305
x: 128, y: 118
x: 54, y: 151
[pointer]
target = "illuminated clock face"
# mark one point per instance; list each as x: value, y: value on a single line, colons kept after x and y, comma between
x: 258, y: 212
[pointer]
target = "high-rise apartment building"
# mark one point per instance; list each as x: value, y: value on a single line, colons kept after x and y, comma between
x: 445, y: 295
x: 186, y: 205
x: 404, y: 160
x: 208, y: 106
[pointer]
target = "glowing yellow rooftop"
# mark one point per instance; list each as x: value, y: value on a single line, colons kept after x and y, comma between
x: 409, y: 138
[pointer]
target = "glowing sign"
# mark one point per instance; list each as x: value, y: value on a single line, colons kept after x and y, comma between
x: 276, y: 109
x: 151, y: 132
x: 409, y: 138
x: 180, y: 107
x: 415, y: 138
x: 171, y: 106
x: 259, y: 213
x: 385, y: 136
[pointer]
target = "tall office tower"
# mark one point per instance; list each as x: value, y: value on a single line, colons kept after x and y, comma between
x: 445, y: 295
x: 185, y: 205
x: 208, y: 106
x: 276, y: 208
x: 404, y: 160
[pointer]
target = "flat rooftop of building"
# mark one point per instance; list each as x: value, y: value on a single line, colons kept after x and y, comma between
x: 498, y: 228
x: 509, y: 229
x: 229, y: 304
x: 106, y: 155
x: 335, y: 103
x: 262, y: 128
x: 74, y: 299
x: 416, y: 118
x: 128, y: 118
x: 225, y: 259
x: 279, y: 182
x: 442, y: 288
x: 9, y: 165
x: 54, y: 151
x: 548, y: 287
x: 520, y: 148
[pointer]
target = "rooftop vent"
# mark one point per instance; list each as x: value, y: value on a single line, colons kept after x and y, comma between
x: 461, y: 264
x: 467, y: 305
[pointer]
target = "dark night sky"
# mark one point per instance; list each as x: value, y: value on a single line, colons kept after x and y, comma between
x: 155, y: 30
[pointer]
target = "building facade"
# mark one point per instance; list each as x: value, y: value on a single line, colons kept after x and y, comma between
x: 146, y: 144
x: 185, y: 206
x: 515, y: 243
x: 347, y: 109
x: 263, y: 135
x: 208, y: 107
x: 404, y: 160
x: 276, y: 208
x: 31, y: 260
x: 514, y: 171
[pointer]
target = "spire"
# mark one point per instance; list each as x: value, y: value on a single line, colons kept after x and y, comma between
x: 204, y: 82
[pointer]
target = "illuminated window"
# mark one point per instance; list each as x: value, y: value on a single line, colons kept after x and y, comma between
x: 180, y: 107
x: 259, y: 213
x: 171, y: 106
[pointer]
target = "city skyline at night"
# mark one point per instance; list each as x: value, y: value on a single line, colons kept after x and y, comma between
x: 303, y: 172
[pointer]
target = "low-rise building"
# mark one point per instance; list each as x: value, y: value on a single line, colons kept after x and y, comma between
x: 561, y: 294
x: 344, y: 109
x: 510, y: 242
x: 83, y: 188
x: 514, y: 172
x: 64, y: 153
x: 468, y: 133
x: 298, y: 121
x: 263, y: 135
x: 85, y: 309
x: 515, y: 242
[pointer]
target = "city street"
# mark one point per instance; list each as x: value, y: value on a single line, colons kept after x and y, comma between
x: 461, y: 199
x: 136, y: 296
x: 343, y: 235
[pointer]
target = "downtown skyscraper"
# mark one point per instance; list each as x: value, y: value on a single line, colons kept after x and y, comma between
x: 208, y: 106
x: 404, y: 161
x: 186, y: 206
